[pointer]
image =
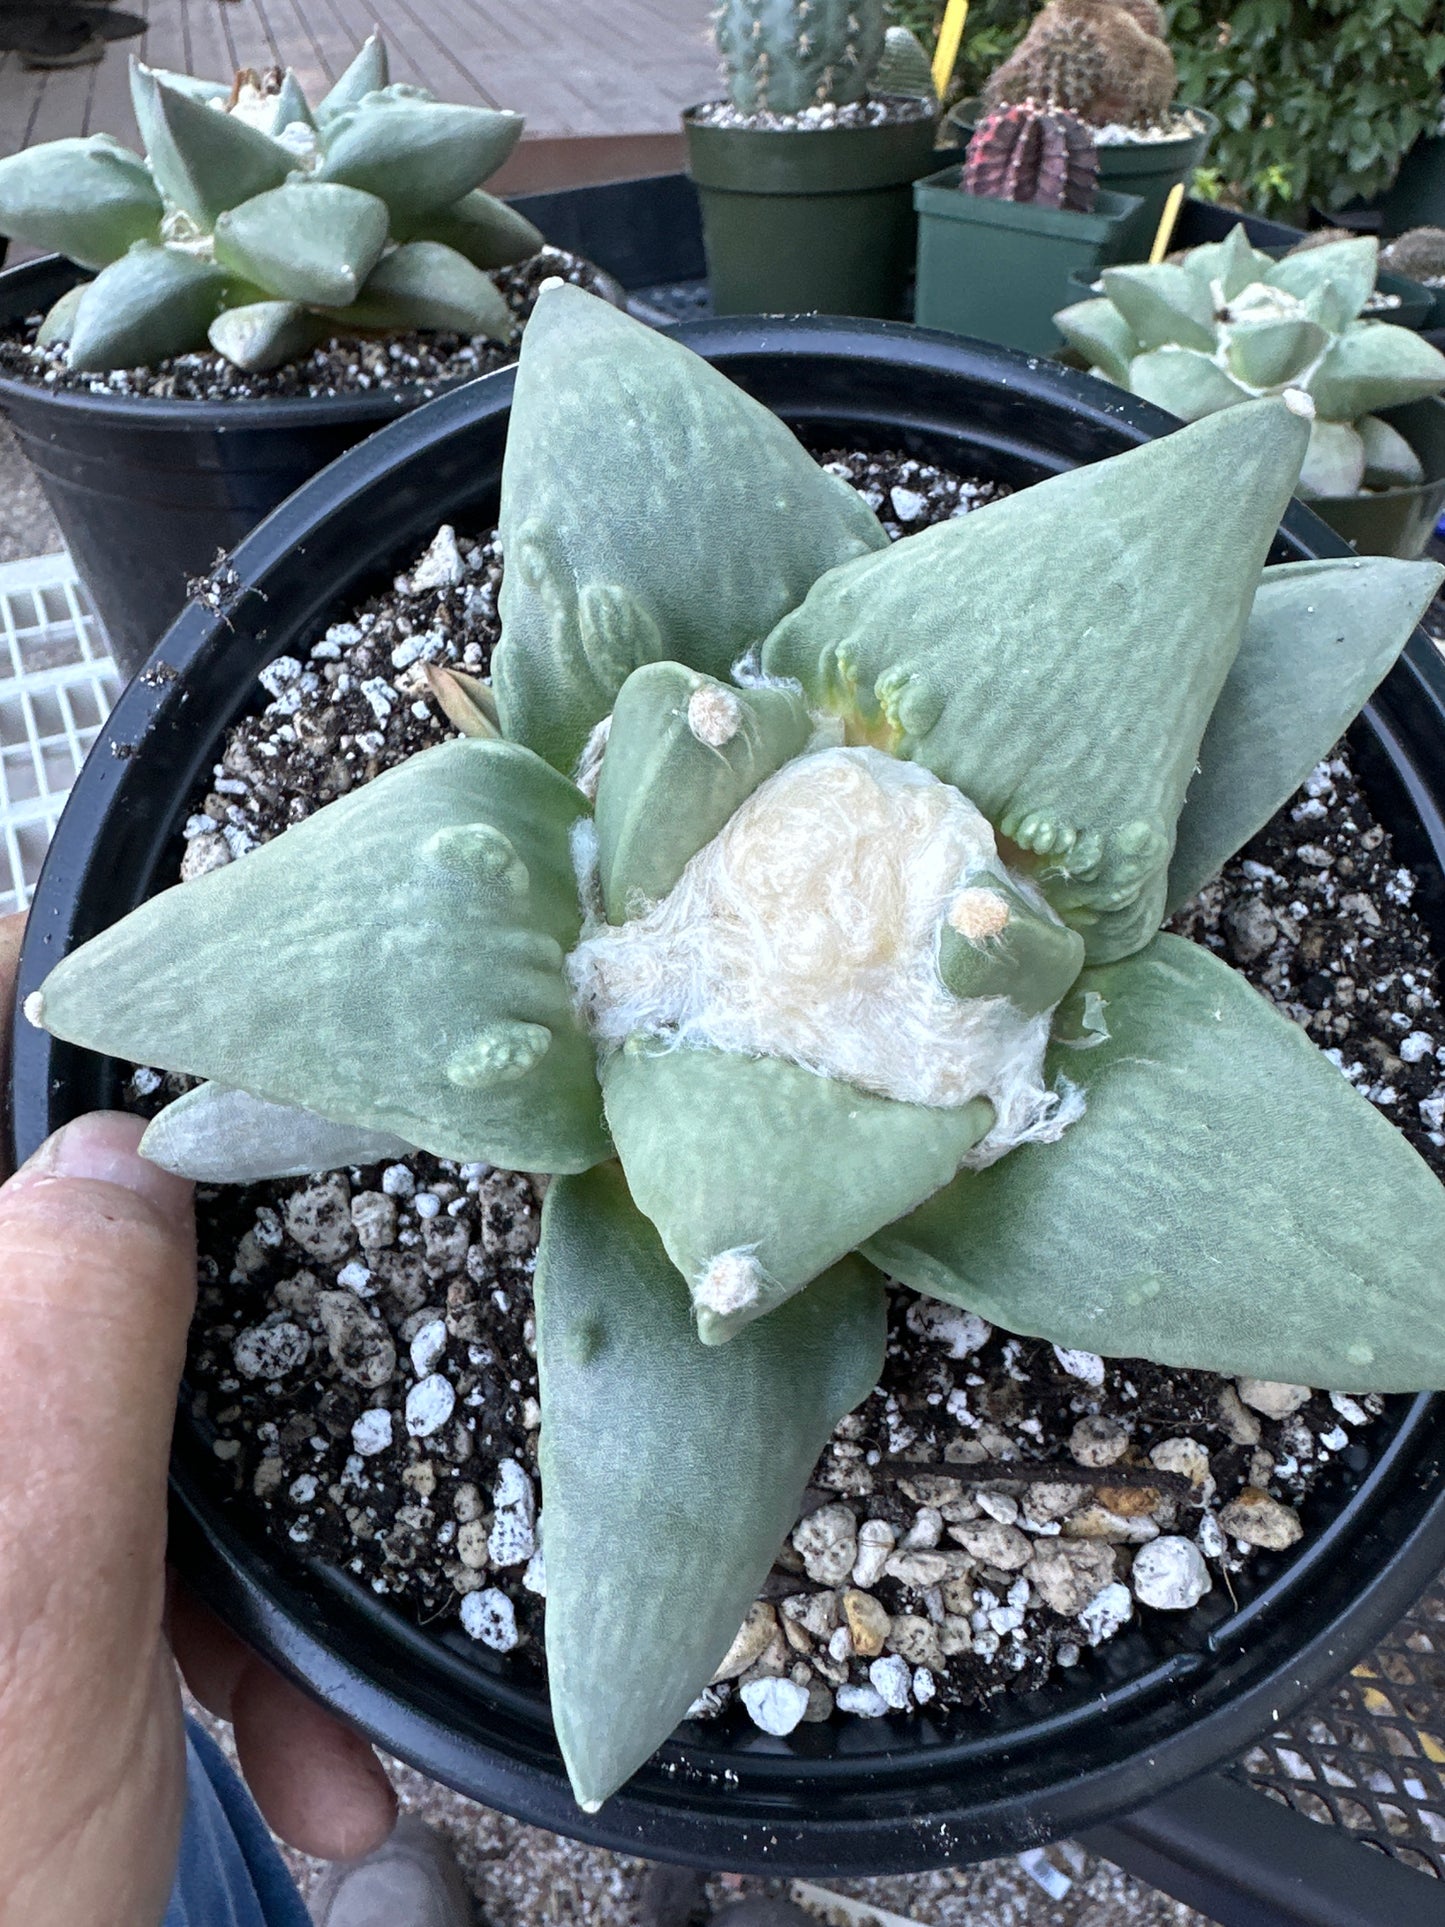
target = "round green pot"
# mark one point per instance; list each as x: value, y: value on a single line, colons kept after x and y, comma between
x: 1145, y: 168
x: 1397, y: 521
x: 813, y: 221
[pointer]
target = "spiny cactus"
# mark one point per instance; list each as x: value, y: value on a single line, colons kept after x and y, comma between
x: 780, y: 56
x: 1419, y: 254
x: 839, y: 958
x: 1033, y: 153
x: 262, y: 226
x: 1227, y: 324
x: 1102, y: 60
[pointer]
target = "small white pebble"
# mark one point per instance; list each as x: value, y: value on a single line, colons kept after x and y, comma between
x: 775, y: 1705
x: 489, y: 1616
x: 356, y: 1277
x: 429, y: 1404
x: 892, y: 1680
x: 397, y: 1181
x: 428, y: 1346
x: 303, y: 1490
x: 1170, y: 1575
x: 924, y: 1685
x: 908, y: 504
x: 1106, y: 1612
x: 1088, y: 1367
x: 371, y: 1433
x: 865, y: 1701
x: 427, y: 1204
x: 1417, y: 1045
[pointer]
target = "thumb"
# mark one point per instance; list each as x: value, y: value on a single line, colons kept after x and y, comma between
x: 97, y: 1286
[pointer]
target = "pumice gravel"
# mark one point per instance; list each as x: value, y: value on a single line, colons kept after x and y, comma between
x: 363, y: 1352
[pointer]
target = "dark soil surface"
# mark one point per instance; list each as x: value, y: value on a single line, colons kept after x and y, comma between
x: 362, y: 1355
x: 354, y: 366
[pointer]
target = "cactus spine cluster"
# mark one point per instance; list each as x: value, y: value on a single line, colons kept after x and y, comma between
x: 1105, y: 60
x: 1037, y: 154
x: 1227, y: 324
x: 262, y: 226
x: 768, y: 900
x: 782, y: 56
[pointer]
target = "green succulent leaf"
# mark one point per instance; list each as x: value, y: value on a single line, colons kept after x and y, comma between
x: 151, y: 303
x: 218, y: 1136
x: 607, y: 410
x: 1163, y: 304
x: 683, y: 752
x: 1267, y: 353
x: 1334, y: 463
x: 1346, y: 266
x: 87, y: 198
x: 59, y: 322
x: 1032, y: 961
x: 1319, y: 639
x: 904, y: 68
x: 265, y: 334
x: 203, y: 161
x: 422, y: 284
x: 307, y: 241
x: 1056, y: 655
x: 394, y: 962
x: 292, y: 107
x: 1232, y: 263
x: 759, y: 1174
x: 193, y: 85
x: 368, y: 73
x: 1227, y: 1203
x: 1098, y: 331
x: 1375, y: 365
x: 1187, y: 383
x: 649, y: 1574
x: 1390, y: 461
x: 488, y: 232
x: 417, y: 155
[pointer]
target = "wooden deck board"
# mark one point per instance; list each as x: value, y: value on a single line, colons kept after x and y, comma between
x: 572, y: 71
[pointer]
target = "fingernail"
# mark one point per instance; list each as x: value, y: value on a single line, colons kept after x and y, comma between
x: 103, y: 1148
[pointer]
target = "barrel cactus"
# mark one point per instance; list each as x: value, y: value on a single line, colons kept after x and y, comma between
x: 1105, y: 60
x: 1419, y: 254
x: 262, y: 226
x: 794, y: 899
x: 1033, y: 153
x: 1226, y: 324
x: 781, y: 56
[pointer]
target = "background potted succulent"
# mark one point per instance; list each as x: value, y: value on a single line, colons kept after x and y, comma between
x: 1002, y: 237
x: 1419, y: 255
x: 804, y: 169
x: 254, y: 230
x: 1229, y: 324
x: 1107, y: 61
x: 471, y: 841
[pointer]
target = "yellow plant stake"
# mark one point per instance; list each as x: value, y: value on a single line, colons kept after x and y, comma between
x: 1166, y: 222
x: 950, y: 39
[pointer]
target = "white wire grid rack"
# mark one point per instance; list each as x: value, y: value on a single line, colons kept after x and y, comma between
x: 57, y: 685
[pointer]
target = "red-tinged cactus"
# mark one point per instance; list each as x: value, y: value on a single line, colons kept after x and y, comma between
x: 1036, y: 154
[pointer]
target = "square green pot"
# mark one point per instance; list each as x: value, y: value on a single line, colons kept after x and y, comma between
x: 998, y: 270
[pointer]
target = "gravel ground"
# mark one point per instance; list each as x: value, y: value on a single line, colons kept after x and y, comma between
x: 26, y: 525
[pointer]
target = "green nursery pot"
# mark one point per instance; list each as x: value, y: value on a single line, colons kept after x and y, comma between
x: 817, y: 220
x: 999, y: 270
x: 1397, y: 521
x: 1145, y: 168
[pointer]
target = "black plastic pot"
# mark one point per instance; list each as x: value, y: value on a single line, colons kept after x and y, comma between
x: 817, y: 221
x: 1397, y: 521
x: 854, y: 1797
x: 1417, y: 198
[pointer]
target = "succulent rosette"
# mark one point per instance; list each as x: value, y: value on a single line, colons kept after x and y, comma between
x: 260, y: 226
x: 794, y: 899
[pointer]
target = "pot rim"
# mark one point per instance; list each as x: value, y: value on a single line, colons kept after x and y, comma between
x: 882, y: 1801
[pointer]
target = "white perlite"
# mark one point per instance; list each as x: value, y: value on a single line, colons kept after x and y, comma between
x: 808, y: 929
x: 1170, y: 1575
x: 428, y: 1346
x: 1106, y: 1612
x: 776, y: 1705
x: 961, y: 1332
x: 489, y: 1616
x: 891, y: 1679
x: 429, y: 1405
x: 371, y: 1433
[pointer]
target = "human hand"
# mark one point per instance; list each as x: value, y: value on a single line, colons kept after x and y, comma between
x: 97, y: 1283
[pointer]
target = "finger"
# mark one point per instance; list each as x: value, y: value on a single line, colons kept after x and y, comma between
x: 210, y: 1656
x: 318, y: 1783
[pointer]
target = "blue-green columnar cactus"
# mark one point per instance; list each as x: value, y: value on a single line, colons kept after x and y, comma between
x: 262, y: 226
x: 1228, y: 325
x: 794, y: 899
x: 780, y: 56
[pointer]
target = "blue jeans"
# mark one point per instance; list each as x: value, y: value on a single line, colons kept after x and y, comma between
x: 229, y: 1873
